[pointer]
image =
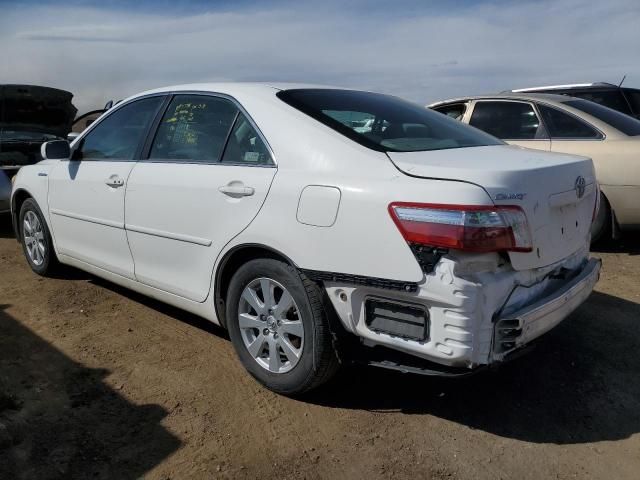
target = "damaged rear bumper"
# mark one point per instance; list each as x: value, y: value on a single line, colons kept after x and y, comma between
x: 515, y: 329
x: 472, y: 321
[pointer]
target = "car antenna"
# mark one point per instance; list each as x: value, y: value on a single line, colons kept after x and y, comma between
x: 620, y: 84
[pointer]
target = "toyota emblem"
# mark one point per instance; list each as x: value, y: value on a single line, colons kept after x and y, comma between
x: 580, y: 186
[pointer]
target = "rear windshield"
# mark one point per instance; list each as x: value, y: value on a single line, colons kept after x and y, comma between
x: 385, y: 123
x: 624, y: 123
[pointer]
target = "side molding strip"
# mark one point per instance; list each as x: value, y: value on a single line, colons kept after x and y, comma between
x: 86, y: 218
x: 205, y: 242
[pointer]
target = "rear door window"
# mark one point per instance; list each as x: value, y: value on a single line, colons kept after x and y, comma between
x: 507, y: 120
x: 245, y: 147
x: 194, y: 128
x: 563, y: 125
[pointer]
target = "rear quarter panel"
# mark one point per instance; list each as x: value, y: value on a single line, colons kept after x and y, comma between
x: 363, y: 240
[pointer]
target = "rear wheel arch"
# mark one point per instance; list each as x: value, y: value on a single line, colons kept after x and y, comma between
x: 610, y: 228
x: 234, y: 259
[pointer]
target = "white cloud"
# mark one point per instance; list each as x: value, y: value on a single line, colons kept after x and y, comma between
x: 428, y: 54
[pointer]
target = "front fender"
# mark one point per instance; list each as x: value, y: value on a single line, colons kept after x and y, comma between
x: 32, y: 181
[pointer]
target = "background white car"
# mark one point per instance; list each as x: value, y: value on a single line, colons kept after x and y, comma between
x: 559, y: 123
x: 263, y: 209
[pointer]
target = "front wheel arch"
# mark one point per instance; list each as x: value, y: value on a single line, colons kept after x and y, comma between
x: 18, y: 198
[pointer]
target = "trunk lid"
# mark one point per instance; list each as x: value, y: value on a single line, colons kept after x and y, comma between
x: 557, y: 192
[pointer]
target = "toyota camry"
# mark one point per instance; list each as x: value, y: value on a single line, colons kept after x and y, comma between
x: 319, y: 226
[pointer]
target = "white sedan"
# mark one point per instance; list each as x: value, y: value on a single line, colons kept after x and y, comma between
x: 319, y: 226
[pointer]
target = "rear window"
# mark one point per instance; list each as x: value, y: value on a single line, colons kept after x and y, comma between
x: 384, y: 123
x: 624, y: 123
x: 608, y: 98
x: 634, y: 99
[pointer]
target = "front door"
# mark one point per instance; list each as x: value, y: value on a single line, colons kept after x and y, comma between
x: 206, y: 177
x: 515, y: 122
x: 86, y: 193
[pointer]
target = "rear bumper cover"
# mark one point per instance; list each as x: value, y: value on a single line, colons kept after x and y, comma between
x: 518, y: 328
x: 474, y: 320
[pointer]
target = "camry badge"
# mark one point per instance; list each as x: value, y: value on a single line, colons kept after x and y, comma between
x: 510, y: 196
x: 580, y: 186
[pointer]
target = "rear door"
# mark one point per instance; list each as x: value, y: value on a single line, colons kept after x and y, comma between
x: 86, y: 193
x: 515, y: 122
x: 206, y: 174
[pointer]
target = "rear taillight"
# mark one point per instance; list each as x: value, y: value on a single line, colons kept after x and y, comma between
x: 463, y: 227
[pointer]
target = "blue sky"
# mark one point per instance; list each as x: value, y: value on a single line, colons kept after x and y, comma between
x: 420, y: 50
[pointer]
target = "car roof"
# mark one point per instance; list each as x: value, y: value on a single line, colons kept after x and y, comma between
x: 558, y: 100
x: 547, y: 97
x: 567, y: 86
x: 233, y: 88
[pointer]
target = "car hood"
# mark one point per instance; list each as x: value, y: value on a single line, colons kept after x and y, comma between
x: 35, y: 109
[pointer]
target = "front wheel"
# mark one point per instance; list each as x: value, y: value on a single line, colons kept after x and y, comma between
x: 279, y: 328
x: 36, y: 239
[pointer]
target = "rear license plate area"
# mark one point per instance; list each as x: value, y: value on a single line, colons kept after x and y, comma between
x: 404, y: 320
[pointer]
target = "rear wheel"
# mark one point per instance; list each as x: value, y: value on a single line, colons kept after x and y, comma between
x: 36, y: 239
x: 601, y: 228
x: 279, y: 328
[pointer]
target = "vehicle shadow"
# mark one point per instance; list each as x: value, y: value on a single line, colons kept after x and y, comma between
x: 166, y: 309
x: 579, y: 385
x: 628, y: 243
x: 6, y: 229
x: 59, y: 419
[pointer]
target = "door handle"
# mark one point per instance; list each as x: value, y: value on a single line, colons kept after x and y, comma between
x: 115, y: 181
x: 237, y: 190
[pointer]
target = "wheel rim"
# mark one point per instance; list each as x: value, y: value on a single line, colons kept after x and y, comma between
x: 33, y: 235
x: 270, y: 325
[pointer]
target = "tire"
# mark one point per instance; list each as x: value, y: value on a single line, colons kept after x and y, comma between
x: 275, y: 330
x: 601, y: 228
x: 37, y: 244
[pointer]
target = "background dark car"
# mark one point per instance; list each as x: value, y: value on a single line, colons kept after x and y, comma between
x: 623, y: 99
x: 29, y: 116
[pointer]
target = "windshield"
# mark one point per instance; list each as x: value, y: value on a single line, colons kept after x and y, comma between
x: 385, y: 123
x: 624, y: 123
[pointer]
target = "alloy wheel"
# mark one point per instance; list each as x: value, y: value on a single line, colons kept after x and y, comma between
x: 271, y: 325
x: 33, y: 235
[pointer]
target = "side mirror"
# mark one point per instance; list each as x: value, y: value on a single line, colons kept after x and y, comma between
x: 55, y: 150
x: 71, y: 136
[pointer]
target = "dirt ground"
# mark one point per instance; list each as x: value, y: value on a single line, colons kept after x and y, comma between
x: 98, y: 382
